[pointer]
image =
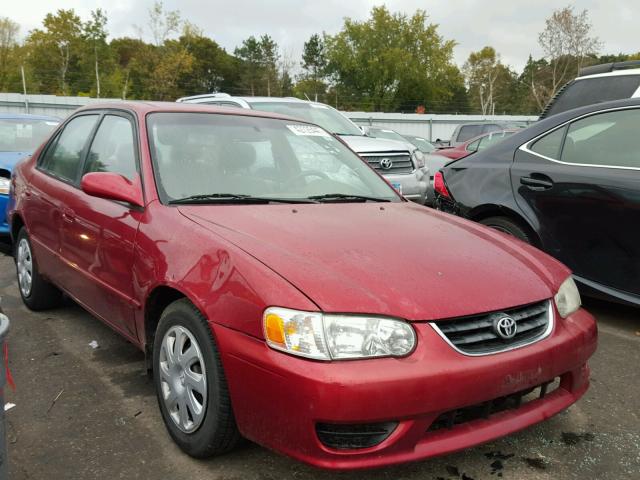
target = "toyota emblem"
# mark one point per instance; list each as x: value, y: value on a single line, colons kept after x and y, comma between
x: 505, y: 327
x: 386, y: 163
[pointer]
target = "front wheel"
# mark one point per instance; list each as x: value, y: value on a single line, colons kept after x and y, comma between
x: 508, y: 226
x: 190, y: 383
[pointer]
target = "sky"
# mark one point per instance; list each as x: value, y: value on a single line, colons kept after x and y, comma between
x: 510, y: 26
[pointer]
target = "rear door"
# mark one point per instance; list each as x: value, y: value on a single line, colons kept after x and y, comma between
x: 47, y: 193
x: 580, y: 183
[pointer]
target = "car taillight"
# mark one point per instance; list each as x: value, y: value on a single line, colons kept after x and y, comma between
x: 439, y: 185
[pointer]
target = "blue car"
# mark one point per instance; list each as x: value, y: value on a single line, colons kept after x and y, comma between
x: 20, y: 136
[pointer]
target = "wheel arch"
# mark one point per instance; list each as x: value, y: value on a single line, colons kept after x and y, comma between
x: 16, y: 223
x: 158, y: 299
x: 492, y: 210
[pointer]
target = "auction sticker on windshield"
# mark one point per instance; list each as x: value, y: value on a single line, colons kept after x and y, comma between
x: 308, y: 130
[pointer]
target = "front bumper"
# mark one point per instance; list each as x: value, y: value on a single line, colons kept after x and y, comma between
x: 414, y: 185
x: 278, y: 399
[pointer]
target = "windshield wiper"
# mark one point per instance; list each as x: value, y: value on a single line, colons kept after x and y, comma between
x: 330, y: 197
x: 235, y: 198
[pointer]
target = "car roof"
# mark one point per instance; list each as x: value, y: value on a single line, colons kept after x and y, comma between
x: 27, y: 116
x: 144, y: 108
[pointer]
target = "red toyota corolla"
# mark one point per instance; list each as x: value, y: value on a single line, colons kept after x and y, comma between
x: 283, y: 292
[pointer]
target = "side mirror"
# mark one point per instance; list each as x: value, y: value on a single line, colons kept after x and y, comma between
x: 112, y: 186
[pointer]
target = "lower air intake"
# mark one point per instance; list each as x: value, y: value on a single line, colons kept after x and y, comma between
x: 348, y: 437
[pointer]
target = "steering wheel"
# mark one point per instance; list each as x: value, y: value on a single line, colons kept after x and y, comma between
x: 308, y: 173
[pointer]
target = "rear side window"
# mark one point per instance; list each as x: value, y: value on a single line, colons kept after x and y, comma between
x: 595, y: 90
x: 467, y: 132
x: 550, y: 145
x: 605, y: 139
x: 63, y: 158
x: 113, y: 148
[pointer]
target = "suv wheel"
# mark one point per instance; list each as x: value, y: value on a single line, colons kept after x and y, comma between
x: 190, y: 383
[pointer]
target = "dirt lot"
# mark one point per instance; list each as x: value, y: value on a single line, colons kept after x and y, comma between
x: 105, y: 422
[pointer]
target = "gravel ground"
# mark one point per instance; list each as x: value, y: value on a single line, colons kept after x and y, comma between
x: 105, y: 422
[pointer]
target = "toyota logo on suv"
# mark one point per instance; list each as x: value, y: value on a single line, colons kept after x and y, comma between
x: 386, y: 163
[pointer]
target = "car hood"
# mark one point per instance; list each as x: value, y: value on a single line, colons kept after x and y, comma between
x: 364, y: 144
x: 395, y: 259
x: 8, y: 160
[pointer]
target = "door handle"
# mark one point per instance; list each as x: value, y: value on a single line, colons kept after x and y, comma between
x: 68, y: 215
x: 537, y: 183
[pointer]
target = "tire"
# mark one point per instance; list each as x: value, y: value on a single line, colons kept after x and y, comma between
x: 37, y: 294
x: 214, y: 430
x: 508, y: 226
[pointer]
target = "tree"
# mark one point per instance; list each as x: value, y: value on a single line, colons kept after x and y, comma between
x: 96, y: 34
x: 251, y: 55
x: 56, y: 47
x: 566, y: 42
x: 8, y: 47
x: 391, y: 61
x: 162, y: 23
x: 314, y: 61
x: 269, y: 61
x: 489, y: 81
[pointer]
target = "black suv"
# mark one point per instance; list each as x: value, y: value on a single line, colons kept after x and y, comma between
x: 596, y: 84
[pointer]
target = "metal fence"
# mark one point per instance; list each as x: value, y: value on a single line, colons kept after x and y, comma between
x: 431, y: 127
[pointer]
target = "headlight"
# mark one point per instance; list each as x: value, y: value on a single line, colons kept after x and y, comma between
x: 418, y: 158
x: 568, y: 298
x: 4, y: 185
x: 336, y: 337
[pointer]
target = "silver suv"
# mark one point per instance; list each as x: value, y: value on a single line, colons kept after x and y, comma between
x: 401, y: 163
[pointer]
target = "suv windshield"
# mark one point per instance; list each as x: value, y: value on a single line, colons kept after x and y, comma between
x: 423, y: 145
x: 388, y: 134
x: 214, y: 158
x: 24, y: 134
x: 325, y: 116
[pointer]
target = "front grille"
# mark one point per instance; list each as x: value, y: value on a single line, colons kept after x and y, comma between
x: 485, y: 410
x: 344, y: 436
x: 480, y: 335
x: 389, y: 163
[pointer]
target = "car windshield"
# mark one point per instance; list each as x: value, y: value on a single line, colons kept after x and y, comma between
x: 214, y: 158
x: 423, y: 145
x: 388, y: 134
x: 325, y: 116
x: 24, y: 134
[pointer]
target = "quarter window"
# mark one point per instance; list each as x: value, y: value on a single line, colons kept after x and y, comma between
x: 63, y: 159
x: 549, y: 145
x: 604, y: 139
x: 112, y: 149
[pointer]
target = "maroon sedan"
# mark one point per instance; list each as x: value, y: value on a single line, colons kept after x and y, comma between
x: 270, y: 276
x: 475, y: 144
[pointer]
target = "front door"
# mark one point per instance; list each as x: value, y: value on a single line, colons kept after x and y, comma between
x: 99, y: 236
x: 581, y: 184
